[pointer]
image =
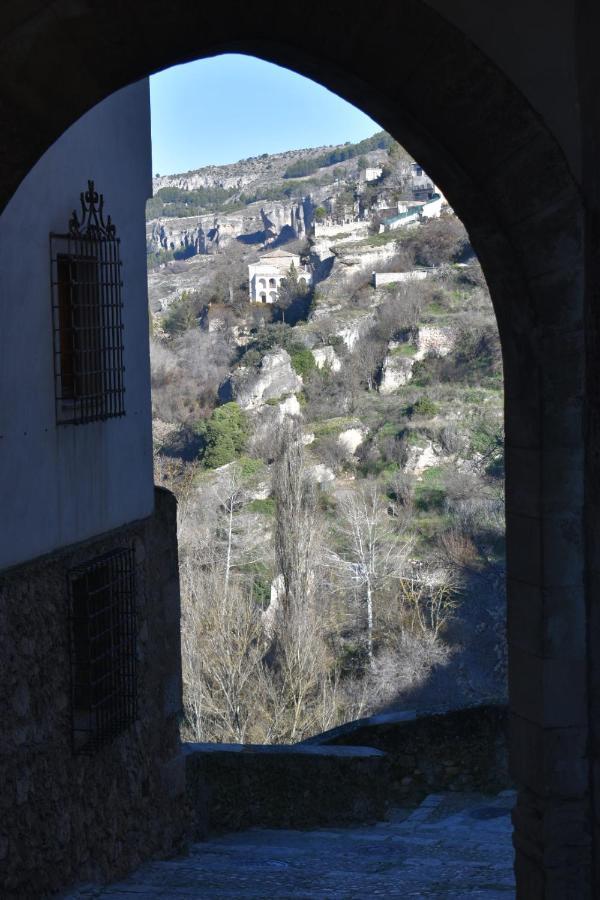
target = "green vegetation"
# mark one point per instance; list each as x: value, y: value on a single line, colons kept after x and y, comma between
x: 331, y: 426
x: 156, y: 258
x: 404, y: 350
x: 430, y: 493
x: 225, y: 434
x: 176, y: 202
x: 303, y: 361
x: 266, y: 507
x: 183, y: 313
x: 380, y: 141
x: 249, y: 467
x: 424, y: 406
x: 284, y: 191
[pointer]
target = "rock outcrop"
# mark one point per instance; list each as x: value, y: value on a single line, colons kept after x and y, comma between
x: 351, y: 439
x: 196, y: 234
x: 397, y: 369
x: 327, y: 358
x: 274, y: 379
x: 421, y: 458
x: 286, y: 220
x: 434, y: 340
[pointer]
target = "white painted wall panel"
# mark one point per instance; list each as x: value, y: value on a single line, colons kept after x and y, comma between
x: 62, y: 484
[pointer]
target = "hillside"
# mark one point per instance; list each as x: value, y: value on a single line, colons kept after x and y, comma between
x: 259, y: 174
x: 337, y: 455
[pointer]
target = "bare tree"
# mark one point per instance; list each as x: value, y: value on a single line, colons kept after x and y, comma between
x: 430, y: 596
x: 303, y: 681
x: 367, y: 359
x: 295, y: 519
x: 370, y: 555
x: 222, y: 656
x: 231, y: 495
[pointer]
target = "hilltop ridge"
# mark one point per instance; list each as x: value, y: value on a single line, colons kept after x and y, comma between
x: 254, y: 167
x: 268, y: 177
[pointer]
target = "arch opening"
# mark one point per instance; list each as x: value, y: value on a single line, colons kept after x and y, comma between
x: 467, y: 139
x: 328, y: 219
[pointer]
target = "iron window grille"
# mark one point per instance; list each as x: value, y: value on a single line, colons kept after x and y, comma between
x: 87, y: 316
x: 102, y: 620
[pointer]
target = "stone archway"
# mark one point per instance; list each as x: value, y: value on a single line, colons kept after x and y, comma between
x: 507, y: 178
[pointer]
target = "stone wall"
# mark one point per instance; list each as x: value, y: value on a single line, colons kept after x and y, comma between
x: 515, y: 154
x: 235, y: 786
x: 458, y: 750
x: 383, y: 278
x: 360, y: 229
x: 66, y: 818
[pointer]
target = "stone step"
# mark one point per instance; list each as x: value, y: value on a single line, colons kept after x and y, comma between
x: 233, y: 786
x: 453, y: 847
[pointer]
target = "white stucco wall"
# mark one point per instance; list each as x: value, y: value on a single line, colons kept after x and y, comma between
x: 350, y: 228
x: 260, y: 272
x: 62, y: 484
x: 382, y: 278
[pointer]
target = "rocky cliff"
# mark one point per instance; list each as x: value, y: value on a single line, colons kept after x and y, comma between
x: 262, y: 224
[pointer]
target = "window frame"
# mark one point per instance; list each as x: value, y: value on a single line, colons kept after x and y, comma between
x: 102, y: 649
x: 87, y: 317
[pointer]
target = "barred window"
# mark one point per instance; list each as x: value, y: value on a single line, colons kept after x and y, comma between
x: 103, y: 649
x: 87, y: 316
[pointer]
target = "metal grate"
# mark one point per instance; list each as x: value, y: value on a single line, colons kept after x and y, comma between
x: 103, y: 649
x: 87, y: 316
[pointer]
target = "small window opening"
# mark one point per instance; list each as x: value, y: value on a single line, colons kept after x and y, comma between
x: 87, y: 315
x: 103, y: 649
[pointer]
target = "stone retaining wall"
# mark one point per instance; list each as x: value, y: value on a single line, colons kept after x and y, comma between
x: 457, y: 750
x: 235, y: 786
x: 66, y: 818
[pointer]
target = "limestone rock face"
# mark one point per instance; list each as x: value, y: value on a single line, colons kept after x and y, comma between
x: 326, y: 357
x: 397, y: 370
x: 211, y: 176
x: 351, y: 439
x: 286, y: 219
x: 321, y: 474
x: 252, y: 388
x: 350, y: 334
x: 434, y: 340
x: 421, y: 458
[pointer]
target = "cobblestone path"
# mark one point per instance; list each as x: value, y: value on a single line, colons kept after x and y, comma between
x: 454, y: 846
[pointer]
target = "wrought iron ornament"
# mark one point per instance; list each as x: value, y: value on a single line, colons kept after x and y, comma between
x: 91, y: 225
x: 87, y: 316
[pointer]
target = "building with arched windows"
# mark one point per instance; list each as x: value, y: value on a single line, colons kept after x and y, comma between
x: 265, y: 276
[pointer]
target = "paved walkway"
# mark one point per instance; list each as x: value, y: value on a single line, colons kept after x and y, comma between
x: 453, y: 846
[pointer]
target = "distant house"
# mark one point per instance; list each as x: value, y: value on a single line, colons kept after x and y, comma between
x: 371, y: 173
x: 412, y: 212
x: 265, y: 276
x: 422, y: 186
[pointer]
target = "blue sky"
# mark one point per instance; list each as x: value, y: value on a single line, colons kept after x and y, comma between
x: 230, y: 107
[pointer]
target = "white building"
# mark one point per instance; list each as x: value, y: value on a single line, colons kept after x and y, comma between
x: 413, y: 212
x: 422, y: 185
x: 265, y: 276
x: 371, y: 173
